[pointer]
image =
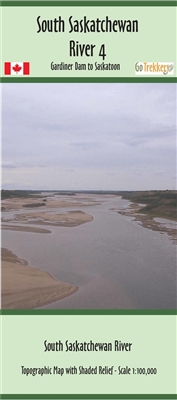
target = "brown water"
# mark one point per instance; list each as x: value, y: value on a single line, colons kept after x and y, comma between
x: 115, y: 262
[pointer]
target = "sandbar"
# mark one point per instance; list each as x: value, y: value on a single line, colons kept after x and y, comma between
x: 24, y: 229
x: 25, y: 287
x: 53, y: 213
x: 17, y: 203
x: 69, y: 219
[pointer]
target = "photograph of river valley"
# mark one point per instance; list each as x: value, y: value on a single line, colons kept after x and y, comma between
x: 88, y: 199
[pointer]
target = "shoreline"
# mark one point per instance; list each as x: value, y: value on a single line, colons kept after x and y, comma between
x: 25, y: 287
x: 20, y: 228
x: 148, y: 221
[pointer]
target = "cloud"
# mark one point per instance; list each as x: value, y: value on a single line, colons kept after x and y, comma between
x: 87, y: 145
x: 107, y: 132
x: 162, y: 172
x: 8, y: 164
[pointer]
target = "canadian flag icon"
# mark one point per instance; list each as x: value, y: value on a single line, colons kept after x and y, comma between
x: 16, y: 68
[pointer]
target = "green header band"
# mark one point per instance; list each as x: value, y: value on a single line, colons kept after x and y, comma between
x: 87, y: 396
x: 88, y: 3
x: 89, y: 80
x: 88, y: 312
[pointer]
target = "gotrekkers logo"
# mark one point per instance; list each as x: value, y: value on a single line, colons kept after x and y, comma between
x: 154, y: 68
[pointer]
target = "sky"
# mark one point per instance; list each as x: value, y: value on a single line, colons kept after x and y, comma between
x: 99, y: 136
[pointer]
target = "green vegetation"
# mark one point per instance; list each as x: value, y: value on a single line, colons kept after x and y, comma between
x: 65, y: 193
x: 159, y: 203
x: 31, y: 205
x: 7, y: 194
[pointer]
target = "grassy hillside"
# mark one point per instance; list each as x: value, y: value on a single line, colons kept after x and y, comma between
x: 159, y: 203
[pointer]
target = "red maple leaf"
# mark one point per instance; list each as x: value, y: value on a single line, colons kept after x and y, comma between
x: 17, y: 68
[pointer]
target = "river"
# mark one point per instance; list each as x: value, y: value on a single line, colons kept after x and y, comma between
x: 114, y: 260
